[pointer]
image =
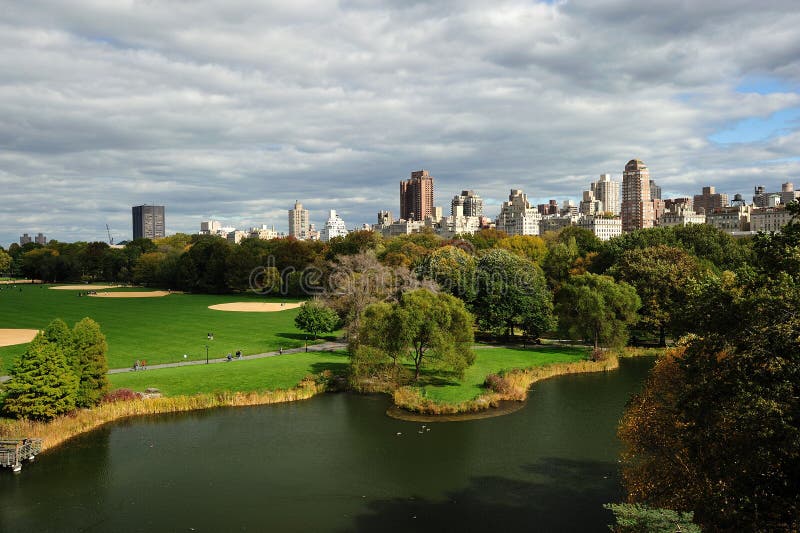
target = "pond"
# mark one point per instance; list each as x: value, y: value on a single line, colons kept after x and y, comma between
x: 338, y: 463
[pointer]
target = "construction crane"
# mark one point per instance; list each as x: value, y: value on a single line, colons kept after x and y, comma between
x: 110, y: 238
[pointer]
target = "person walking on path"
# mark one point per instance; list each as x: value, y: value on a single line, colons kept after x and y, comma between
x: 238, y: 354
x: 229, y: 357
x: 280, y: 351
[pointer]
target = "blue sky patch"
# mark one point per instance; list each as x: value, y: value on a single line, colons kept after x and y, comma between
x: 759, y: 129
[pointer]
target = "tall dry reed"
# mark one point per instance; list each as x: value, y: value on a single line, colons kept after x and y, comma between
x: 65, y: 427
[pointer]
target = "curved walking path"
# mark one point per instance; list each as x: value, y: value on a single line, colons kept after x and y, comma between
x: 322, y: 347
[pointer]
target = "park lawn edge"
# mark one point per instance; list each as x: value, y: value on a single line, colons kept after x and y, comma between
x: 65, y: 427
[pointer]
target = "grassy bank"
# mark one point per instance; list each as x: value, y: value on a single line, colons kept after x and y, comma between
x: 158, y: 330
x: 65, y: 427
x: 268, y: 373
x: 510, y: 385
x: 492, y: 360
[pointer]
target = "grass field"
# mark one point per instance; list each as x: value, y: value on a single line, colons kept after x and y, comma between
x: 269, y: 373
x: 491, y: 360
x: 286, y: 371
x: 158, y: 330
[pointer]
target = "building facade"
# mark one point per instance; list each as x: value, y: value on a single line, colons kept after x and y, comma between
x: 466, y: 204
x: 769, y: 219
x: 655, y: 191
x: 148, y: 222
x: 709, y: 200
x: 603, y: 227
x: 416, y: 196
x: 210, y: 227
x: 730, y: 219
x: 517, y: 217
x: 334, y: 227
x: 681, y: 215
x: 299, y: 221
x: 264, y: 233
x: 607, y: 192
x: 637, y: 210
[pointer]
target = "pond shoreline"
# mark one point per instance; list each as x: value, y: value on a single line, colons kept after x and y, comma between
x: 491, y: 404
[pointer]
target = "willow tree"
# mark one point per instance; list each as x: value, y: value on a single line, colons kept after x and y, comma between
x: 427, y: 329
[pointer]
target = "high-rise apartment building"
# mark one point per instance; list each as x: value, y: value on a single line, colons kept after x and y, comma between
x: 637, y: 206
x: 602, y: 196
x: 467, y: 204
x: 148, y: 222
x: 25, y: 239
x: 416, y: 196
x: 334, y: 227
x: 299, y: 222
x: 709, y: 201
x: 517, y: 217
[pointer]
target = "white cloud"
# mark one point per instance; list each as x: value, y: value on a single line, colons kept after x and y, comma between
x: 238, y: 108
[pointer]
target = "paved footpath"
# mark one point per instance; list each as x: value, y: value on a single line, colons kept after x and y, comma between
x: 322, y: 347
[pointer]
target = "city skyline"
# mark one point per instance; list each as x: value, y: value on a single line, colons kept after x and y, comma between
x: 104, y: 108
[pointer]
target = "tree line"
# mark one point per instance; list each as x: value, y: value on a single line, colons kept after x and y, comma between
x: 715, y: 432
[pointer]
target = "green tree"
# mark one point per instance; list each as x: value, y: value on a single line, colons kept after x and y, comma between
x: 511, y: 292
x: 90, y: 348
x: 60, y: 334
x: 530, y: 247
x: 485, y: 239
x: 635, y: 518
x: 716, y: 428
x: 42, y: 384
x: 586, y: 241
x: 354, y: 242
x: 660, y: 275
x: 435, y: 329
x: 596, y: 308
x: 559, y: 261
x: 5, y: 262
x: 452, y: 269
x: 429, y: 329
x: 315, y: 318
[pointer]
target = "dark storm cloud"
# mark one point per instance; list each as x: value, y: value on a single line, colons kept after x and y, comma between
x: 236, y: 109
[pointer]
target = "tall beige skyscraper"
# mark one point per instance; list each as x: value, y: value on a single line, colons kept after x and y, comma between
x: 606, y: 191
x: 637, y: 207
x: 416, y: 196
x: 298, y: 221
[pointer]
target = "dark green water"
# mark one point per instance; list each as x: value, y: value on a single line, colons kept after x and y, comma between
x: 336, y: 463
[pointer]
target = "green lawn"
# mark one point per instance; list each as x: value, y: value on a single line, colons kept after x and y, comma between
x: 287, y: 370
x: 158, y: 330
x: 492, y: 360
x: 281, y: 372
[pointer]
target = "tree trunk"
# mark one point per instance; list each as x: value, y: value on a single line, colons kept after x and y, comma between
x: 662, y: 337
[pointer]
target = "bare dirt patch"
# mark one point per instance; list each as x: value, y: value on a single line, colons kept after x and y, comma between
x: 9, y: 337
x: 83, y: 287
x: 136, y: 294
x: 255, y: 307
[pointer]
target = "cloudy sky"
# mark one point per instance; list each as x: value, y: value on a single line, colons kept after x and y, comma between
x: 234, y: 109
